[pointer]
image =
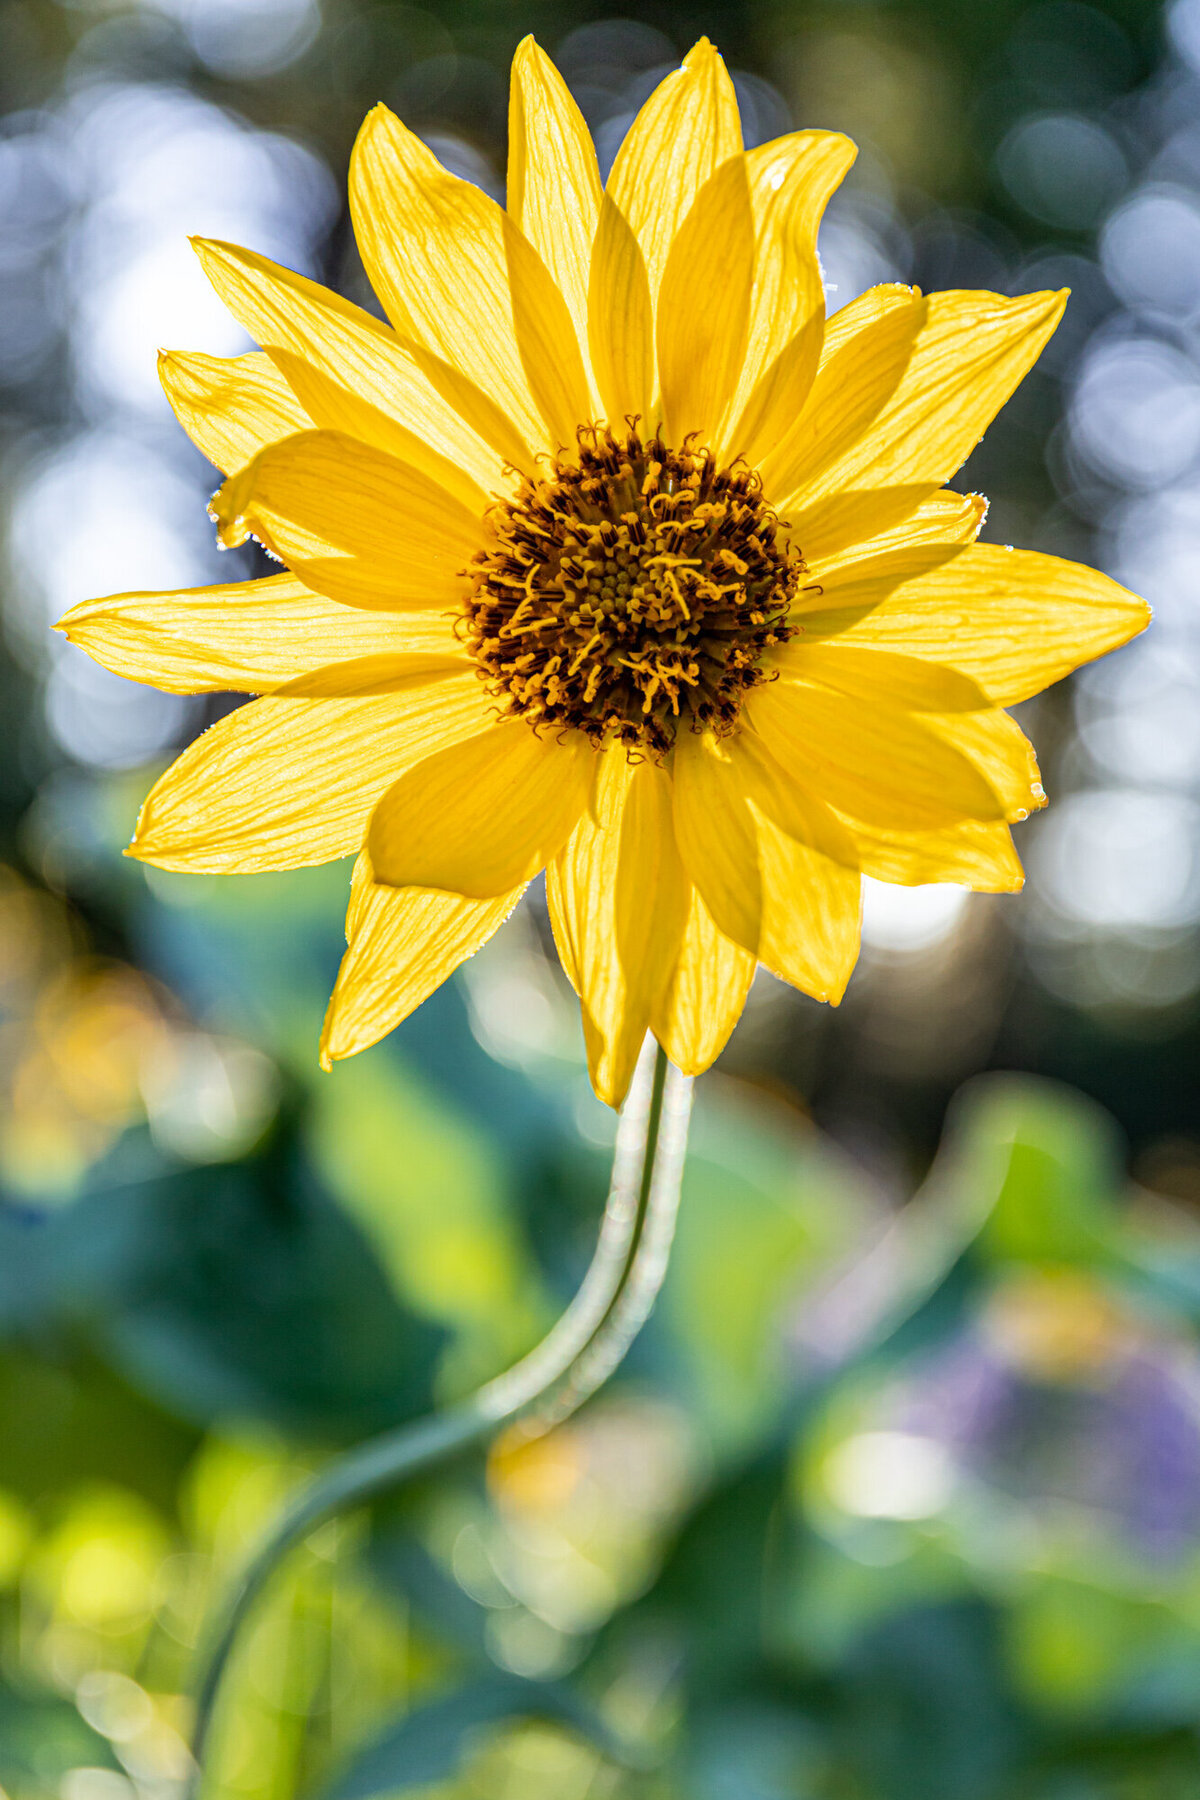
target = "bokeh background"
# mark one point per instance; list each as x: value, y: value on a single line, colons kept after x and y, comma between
x: 899, y: 1496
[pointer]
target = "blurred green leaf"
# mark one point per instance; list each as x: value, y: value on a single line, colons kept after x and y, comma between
x: 1046, y: 1163
x: 430, y: 1742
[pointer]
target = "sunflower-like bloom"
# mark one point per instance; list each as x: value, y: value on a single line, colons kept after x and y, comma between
x: 606, y: 557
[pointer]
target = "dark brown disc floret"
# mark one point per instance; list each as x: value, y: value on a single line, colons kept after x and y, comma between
x: 630, y: 590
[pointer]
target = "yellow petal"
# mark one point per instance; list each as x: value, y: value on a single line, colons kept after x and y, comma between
x: 704, y: 304
x: 868, y: 758
x: 402, y: 946
x: 553, y: 181
x: 697, y: 1011
x: 968, y: 354
x: 250, y: 637
x: 352, y: 522
x: 618, y: 901
x: 872, y: 675
x: 621, y: 320
x: 433, y: 248
x: 332, y: 406
x: 546, y: 338
x: 791, y: 180
x: 487, y: 420
x: 773, y: 865
x: 975, y: 854
x: 681, y: 136
x: 866, y: 349
x: 484, y: 815
x: 230, y: 406
x: 1013, y: 620
x: 282, y: 310
x: 999, y: 749
x: 291, y: 779
x: 874, y: 521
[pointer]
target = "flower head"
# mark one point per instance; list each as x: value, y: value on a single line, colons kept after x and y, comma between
x: 606, y: 556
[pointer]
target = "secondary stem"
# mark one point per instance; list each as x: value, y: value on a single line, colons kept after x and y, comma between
x: 572, y: 1361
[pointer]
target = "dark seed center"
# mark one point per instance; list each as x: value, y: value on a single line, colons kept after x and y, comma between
x: 631, y: 590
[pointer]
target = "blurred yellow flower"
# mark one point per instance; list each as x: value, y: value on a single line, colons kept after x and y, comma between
x: 606, y: 557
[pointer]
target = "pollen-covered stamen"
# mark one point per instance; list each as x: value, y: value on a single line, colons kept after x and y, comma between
x: 630, y: 591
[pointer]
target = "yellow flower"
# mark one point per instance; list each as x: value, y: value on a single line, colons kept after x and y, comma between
x: 608, y: 557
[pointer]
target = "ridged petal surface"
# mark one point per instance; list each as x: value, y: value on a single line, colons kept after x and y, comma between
x: 250, y: 637
x: 401, y: 946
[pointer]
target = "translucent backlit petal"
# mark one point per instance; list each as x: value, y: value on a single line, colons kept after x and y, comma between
x: 775, y: 868
x: 546, y: 338
x: 230, y: 406
x: 482, y: 816
x: 353, y: 522
x: 402, y: 945
x: 433, y: 248
x: 887, y: 676
x: 250, y: 638
x: 791, y: 180
x: 619, y: 902
x: 621, y: 320
x: 704, y: 305
x: 681, y: 136
x: 975, y: 854
x: 866, y: 349
x: 874, y: 521
x: 873, y: 760
x: 282, y: 310
x: 699, y: 1007
x: 1013, y: 620
x: 1001, y: 752
x: 332, y: 406
x: 291, y: 779
x: 553, y: 181
x: 968, y: 351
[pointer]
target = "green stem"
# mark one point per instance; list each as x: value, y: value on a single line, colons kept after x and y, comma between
x: 571, y: 1362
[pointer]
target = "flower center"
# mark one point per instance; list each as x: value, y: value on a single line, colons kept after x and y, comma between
x: 631, y: 589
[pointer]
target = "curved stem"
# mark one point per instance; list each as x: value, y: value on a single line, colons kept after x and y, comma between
x: 572, y: 1361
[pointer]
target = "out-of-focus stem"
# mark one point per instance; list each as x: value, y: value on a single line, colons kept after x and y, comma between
x: 572, y: 1361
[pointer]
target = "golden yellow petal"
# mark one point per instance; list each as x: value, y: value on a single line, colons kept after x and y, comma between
x: 886, y: 676
x: 550, y: 354
x: 553, y: 181
x: 581, y: 878
x: 487, y: 420
x: 1013, y: 620
x: 433, y: 248
x: 999, y: 749
x: 681, y: 136
x: 282, y: 310
x: 291, y: 779
x: 865, y: 351
x: 353, y: 522
x: 791, y: 180
x: 974, y: 854
x: 621, y: 320
x: 230, y: 406
x: 874, y: 521
x: 704, y: 305
x: 697, y: 1011
x: 872, y: 760
x: 250, y: 637
x: 968, y: 353
x: 618, y: 901
x: 773, y: 865
x: 402, y: 945
x: 331, y: 406
x: 484, y: 815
